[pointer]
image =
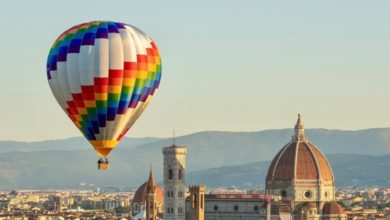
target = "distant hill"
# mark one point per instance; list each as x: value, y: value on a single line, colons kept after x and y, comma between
x: 349, y: 170
x: 76, y: 143
x: 63, y: 163
x: 59, y: 169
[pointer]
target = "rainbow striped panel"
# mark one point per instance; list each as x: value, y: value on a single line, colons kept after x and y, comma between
x: 103, y: 74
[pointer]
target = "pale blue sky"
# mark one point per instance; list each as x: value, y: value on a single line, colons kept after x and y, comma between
x: 227, y: 65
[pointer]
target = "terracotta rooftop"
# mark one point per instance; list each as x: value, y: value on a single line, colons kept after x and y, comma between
x: 237, y: 196
x: 140, y: 194
x: 332, y: 208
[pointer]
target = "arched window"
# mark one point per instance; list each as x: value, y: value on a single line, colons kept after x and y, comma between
x: 283, y: 193
x: 194, y: 201
x: 170, y: 174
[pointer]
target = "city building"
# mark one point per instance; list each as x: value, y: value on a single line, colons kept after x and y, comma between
x: 232, y: 206
x: 196, y: 202
x: 174, y: 182
x: 141, y: 195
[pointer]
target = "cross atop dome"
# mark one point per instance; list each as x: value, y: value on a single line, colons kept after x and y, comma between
x: 299, y: 134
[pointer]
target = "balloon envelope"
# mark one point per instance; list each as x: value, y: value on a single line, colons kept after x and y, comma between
x: 103, y: 74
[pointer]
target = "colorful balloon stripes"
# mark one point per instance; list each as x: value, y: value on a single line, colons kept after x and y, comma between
x: 103, y: 74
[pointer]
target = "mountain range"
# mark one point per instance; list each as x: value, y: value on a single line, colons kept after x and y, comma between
x: 350, y: 170
x: 214, y: 158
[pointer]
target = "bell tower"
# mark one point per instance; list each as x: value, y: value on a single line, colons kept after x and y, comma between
x: 197, y: 205
x: 174, y: 182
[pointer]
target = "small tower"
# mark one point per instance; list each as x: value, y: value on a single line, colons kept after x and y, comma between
x: 174, y: 182
x: 299, y: 134
x: 151, y: 211
x: 197, y: 205
x: 58, y: 204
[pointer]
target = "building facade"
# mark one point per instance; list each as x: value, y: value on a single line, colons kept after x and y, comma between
x: 174, y: 182
x: 225, y: 206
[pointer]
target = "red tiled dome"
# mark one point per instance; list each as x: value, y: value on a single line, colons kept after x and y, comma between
x: 299, y: 160
x: 140, y: 194
x: 332, y: 208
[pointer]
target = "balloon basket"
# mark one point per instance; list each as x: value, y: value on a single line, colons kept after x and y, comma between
x: 103, y: 165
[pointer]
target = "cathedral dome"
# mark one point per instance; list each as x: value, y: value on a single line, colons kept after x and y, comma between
x: 332, y: 208
x: 299, y: 160
x: 140, y: 194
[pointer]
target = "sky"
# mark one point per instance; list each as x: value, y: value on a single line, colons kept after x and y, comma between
x: 227, y: 65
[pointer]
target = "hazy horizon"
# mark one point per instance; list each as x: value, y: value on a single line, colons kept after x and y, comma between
x: 197, y: 132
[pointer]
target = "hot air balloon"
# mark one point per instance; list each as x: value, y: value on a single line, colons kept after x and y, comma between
x: 103, y: 75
